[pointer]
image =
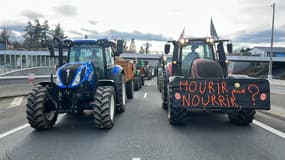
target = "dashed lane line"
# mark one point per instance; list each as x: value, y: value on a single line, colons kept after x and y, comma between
x: 270, y: 129
x: 145, y: 95
x: 16, y: 102
x: 13, y: 131
x: 3, y: 135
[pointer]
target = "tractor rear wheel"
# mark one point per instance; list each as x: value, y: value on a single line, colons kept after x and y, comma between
x: 242, y: 117
x: 121, y: 94
x: 40, y: 110
x: 175, y: 116
x: 130, y: 89
x: 136, y: 83
x: 142, y: 77
x: 104, y: 107
x: 164, y: 93
x: 140, y: 83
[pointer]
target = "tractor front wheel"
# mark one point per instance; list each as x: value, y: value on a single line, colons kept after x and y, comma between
x: 40, y: 110
x: 104, y: 107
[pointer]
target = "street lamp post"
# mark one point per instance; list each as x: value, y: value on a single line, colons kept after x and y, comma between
x: 271, y: 46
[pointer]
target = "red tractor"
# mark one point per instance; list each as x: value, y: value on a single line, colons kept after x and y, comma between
x: 197, y: 80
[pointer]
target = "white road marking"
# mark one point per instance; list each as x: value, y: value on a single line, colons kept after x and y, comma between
x: 8, y: 133
x: 3, y: 135
x: 16, y: 102
x: 145, y: 95
x: 277, y: 92
x: 270, y: 129
x: 136, y: 158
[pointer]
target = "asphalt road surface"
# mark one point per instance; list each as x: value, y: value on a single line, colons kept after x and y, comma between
x: 142, y: 132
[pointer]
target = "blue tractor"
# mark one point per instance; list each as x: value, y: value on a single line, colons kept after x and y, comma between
x: 89, y: 80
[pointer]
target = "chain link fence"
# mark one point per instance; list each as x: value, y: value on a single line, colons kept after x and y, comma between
x: 16, y: 60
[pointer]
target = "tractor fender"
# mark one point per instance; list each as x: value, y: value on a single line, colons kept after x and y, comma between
x: 117, y: 73
x: 117, y: 69
x: 106, y: 82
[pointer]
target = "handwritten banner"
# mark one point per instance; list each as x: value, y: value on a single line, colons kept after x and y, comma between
x: 225, y: 93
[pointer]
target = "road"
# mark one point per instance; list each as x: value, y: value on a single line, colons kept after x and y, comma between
x: 142, y: 132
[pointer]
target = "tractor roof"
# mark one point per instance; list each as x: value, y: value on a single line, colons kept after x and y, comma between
x: 207, y: 39
x: 102, y: 42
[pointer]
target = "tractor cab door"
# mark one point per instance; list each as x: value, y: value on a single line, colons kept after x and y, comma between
x: 97, y: 59
x: 109, y: 62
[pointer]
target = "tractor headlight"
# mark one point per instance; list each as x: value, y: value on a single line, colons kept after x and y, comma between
x: 210, y: 40
x: 57, y: 80
x: 77, y: 79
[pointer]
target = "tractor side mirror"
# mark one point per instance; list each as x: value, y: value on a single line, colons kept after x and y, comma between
x: 230, y: 48
x: 221, y: 51
x: 166, y: 48
x: 120, y: 47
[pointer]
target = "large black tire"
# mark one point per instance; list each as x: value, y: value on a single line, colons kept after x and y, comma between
x: 40, y: 111
x: 149, y: 76
x: 159, y: 84
x: 242, y: 117
x: 136, y: 83
x: 130, y: 89
x: 157, y: 81
x: 104, y: 107
x: 142, y: 77
x: 175, y: 116
x: 121, y: 94
x: 164, y: 92
x: 140, y: 83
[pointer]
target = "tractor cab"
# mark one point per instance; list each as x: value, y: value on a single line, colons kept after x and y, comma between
x: 97, y: 52
x: 89, y: 80
x: 198, y: 63
x: 192, y: 57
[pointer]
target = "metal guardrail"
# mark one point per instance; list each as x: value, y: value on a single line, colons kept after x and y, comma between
x: 23, y: 77
x: 254, y: 59
x: 230, y: 58
x: 16, y: 80
x: 15, y: 60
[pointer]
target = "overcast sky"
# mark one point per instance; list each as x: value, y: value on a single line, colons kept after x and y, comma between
x: 241, y: 20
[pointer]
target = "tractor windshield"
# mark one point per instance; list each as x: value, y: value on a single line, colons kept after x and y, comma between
x: 197, y: 49
x: 193, y: 50
x: 86, y: 53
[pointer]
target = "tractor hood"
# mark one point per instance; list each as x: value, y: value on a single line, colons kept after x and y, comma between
x: 74, y: 74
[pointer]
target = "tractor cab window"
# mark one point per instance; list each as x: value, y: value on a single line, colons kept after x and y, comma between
x: 193, y: 50
x: 88, y: 53
x: 109, y: 57
x: 199, y: 49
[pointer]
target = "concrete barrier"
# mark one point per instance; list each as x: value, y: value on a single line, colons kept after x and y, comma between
x: 47, y: 70
x: 13, y: 86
